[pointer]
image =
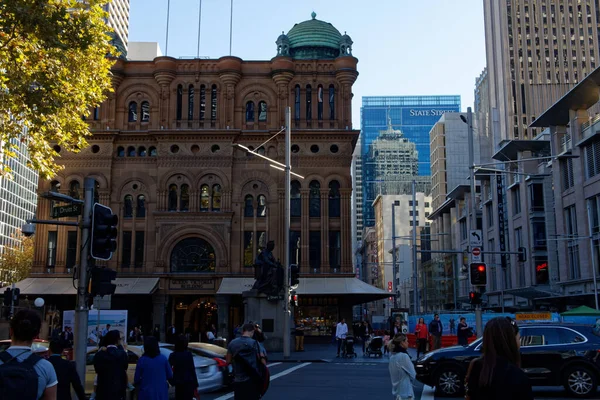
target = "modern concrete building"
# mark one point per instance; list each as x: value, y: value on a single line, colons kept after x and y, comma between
x: 143, y: 51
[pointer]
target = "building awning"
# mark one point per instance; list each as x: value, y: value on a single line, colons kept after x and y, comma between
x: 64, y: 286
x: 532, y: 292
x: 510, y: 149
x: 357, y: 290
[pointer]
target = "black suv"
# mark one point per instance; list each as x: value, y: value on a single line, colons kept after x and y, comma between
x: 551, y: 355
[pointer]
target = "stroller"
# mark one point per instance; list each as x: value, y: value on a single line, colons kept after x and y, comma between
x: 348, y: 347
x: 374, y: 346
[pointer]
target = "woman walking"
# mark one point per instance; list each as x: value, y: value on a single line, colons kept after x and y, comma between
x: 152, y: 372
x: 402, y: 370
x: 497, y: 375
x: 422, y: 335
x: 184, y: 372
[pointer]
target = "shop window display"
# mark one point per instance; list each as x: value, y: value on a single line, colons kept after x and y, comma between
x: 318, y: 314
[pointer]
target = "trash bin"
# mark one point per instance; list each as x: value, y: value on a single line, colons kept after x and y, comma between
x: 221, y: 342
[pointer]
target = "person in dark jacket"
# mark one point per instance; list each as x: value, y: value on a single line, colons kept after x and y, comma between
x: 463, y: 332
x: 497, y: 375
x: 152, y: 372
x: 184, y: 372
x: 435, y: 330
x: 65, y: 373
x: 111, y: 367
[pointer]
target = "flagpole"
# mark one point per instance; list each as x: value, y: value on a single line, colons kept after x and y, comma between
x: 231, y: 27
x: 167, y: 38
x: 199, y: 26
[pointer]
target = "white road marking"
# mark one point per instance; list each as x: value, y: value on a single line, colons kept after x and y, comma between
x: 279, y: 375
x: 273, y: 364
x: 428, y: 393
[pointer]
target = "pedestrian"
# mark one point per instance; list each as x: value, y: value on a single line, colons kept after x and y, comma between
x: 463, y: 332
x: 341, y: 330
x: 237, y: 331
x: 111, y: 367
x: 210, y: 334
x: 152, y: 373
x: 421, y: 334
x: 244, y: 353
x: 23, y: 374
x: 435, y: 330
x: 363, y: 334
x: 497, y: 375
x: 397, y: 328
x: 66, y: 374
x: 299, y: 335
x: 106, y: 330
x: 452, y: 323
x: 402, y: 370
x: 184, y: 372
x: 260, y: 337
x: 386, y: 342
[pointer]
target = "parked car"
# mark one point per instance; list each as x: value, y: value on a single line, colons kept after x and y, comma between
x: 39, y: 346
x: 214, y: 352
x: 551, y: 355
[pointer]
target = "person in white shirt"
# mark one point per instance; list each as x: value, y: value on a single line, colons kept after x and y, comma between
x: 341, y: 330
x: 402, y: 370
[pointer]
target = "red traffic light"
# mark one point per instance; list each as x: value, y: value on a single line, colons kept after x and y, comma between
x: 481, y: 268
x: 478, y: 274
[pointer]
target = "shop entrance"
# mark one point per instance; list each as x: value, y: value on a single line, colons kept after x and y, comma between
x: 195, y: 316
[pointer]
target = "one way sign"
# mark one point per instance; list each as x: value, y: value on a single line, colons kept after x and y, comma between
x: 475, y: 238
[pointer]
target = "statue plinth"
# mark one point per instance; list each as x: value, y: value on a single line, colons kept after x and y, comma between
x: 268, y: 314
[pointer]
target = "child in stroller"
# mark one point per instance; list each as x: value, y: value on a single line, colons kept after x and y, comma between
x: 348, y: 347
x: 374, y: 346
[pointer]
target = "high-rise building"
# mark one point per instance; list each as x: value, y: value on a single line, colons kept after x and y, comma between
x: 536, y: 50
x: 118, y: 20
x: 357, y: 207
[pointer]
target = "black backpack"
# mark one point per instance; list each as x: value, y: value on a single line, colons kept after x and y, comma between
x: 18, y: 379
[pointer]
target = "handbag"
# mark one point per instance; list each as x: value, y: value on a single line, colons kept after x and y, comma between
x: 260, y: 376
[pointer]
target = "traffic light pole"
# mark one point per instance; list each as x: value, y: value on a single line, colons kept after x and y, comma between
x: 81, y: 309
x: 286, y: 236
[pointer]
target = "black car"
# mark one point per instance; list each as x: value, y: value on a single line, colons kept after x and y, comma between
x: 551, y: 355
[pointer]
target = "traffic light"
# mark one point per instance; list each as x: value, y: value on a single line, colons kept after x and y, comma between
x: 15, y: 294
x: 522, y: 254
x: 7, y: 296
x: 293, y: 298
x: 474, y: 298
x: 478, y: 274
x: 104, y: 232
x: 294, y: 275
x: 102, y: 282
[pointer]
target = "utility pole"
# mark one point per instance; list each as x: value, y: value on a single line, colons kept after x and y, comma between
x: 286, y: 234
x: 414, y: 248
x: 394, y: 257
x: 81, y: 309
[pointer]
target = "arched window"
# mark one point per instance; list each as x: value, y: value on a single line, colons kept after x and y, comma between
x: 250, y: 111
x: 191, y: 102
x: 297, y: 103
x: 320, y: 102
x: 193, y: 255
x: 74, y: 187
x: 142, y: 151
x: 202, y: 102
x: 172, y: 206
x: 213, y: 103
x: 295, y: 198
x: 331, y: 102
x: 152, y: 151
x: 262, y: 111
x: 216, y: 197
x: 133, y: 111
x: 96, y: 113
x: 128, y: 206
x: 334, y: 199
x: 249, y: 206
x: 140, y: 210
x: 145, y: 111
x: 314, y: 199
x: 179, y: 102
x: 262, y: 206
x: 120, y: 151
x: 131, y: 151
x: 96, y: 191
x: 184, y: 204
x: 308, y: 102
x: 204, y: 198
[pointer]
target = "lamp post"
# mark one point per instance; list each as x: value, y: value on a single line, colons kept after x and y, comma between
x: 394, y: 256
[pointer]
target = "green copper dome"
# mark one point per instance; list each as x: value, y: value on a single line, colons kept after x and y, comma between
x: 314, y: 39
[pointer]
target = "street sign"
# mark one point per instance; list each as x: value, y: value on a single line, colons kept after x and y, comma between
x: 533, y: 316
x: 70, y: 210
x: 102, y: 303
x: 475, y: 238
x: 476, y: 254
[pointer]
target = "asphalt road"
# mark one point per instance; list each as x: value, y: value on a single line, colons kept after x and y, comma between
x: 540, y: 393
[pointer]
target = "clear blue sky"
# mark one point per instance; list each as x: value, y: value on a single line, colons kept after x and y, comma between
x: 404, y: 47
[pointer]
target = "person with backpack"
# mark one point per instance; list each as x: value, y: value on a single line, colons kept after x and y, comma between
x: 66, y: 374
x: 249, y: 366
x: 23, y: 374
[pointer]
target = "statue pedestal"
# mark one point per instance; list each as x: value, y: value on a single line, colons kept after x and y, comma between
x: 268, y: 314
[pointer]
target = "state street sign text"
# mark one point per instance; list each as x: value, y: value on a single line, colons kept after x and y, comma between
x: 71, y: 210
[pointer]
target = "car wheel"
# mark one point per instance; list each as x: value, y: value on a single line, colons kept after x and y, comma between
x: 580, y: 382
x: 449, y: 381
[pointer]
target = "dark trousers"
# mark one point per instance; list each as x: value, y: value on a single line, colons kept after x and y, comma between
x: 462, y: 340
x: 184, y: 392
x: 245, y: 391
x: 339, y: 345
x: 421, y: 346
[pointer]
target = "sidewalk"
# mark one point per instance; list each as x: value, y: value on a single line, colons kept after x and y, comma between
x: 327, y: 353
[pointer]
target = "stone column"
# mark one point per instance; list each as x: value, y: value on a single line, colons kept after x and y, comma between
x: 223, y: 303
x: 159, y: 309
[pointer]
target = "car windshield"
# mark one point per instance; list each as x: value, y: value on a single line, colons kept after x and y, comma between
x: 476, y: 343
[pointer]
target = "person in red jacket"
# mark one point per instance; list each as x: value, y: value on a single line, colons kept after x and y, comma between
x: 422, y: 335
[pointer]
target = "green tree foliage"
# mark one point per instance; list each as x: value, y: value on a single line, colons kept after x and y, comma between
x: 18, y: 258
x: 53, y: 69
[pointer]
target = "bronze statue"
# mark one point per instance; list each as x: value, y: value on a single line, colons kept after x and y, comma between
x: 269, y: 272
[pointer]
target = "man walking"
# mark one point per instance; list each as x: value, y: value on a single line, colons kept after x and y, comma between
x: 435, y: 330
x: 244, y: 354
x: 341, y: 330
x: 66, y: 374
x: 111, y: 368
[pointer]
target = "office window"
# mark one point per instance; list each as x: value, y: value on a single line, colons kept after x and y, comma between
x: 249, y: 206
x: 51, y: 252
x: 592, y: 159
x: 71, y: 249
x: 410, y: 213
x: 202, y: 102
x: 463, y: 229
x: 140, y: 210
x: 335, y: 249
x: 138, y: 259
x: 179, y: 103
x: 213, y: 103
x: 334, y: 199
x: 295, y: 247
x: 489, y: 212
x: 566, y: 167
x: 191, y: 102
x: 315, y: 199
x: 572, y: 245
x: 537, y: 197
x: 516, y: 197
x: 128, y: 206
x: 248, y: 248
x: 297, y: 103
x: 126, y: 249
x: 314, y: 249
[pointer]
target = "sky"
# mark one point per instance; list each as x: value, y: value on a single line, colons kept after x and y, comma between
x: 404, y: 47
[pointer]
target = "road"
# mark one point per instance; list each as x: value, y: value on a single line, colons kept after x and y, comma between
x: 346, y: 380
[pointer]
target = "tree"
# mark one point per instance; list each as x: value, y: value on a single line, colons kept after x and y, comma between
x: 17, y: 258
x: 54, y: 67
